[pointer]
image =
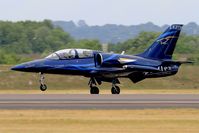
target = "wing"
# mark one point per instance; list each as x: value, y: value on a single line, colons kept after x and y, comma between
x: 136, y: 68
x: 135, y: 72
x: 141, y: 68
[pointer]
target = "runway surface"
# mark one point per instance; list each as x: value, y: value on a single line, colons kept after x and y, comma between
x: 135, y: 101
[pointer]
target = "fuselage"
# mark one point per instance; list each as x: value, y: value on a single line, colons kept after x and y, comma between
x: 111, y: 66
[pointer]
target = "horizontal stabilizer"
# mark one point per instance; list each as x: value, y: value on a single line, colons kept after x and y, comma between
x: 177, y: 62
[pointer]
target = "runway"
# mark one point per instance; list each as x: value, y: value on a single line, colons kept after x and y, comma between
x: 62, y: 101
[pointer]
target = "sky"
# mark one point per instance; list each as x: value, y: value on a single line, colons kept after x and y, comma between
x: 100, y: 12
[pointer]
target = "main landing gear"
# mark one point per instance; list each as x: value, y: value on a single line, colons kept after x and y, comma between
x: 43, y: 86
x: 115, y: 89
x: 95, y: 90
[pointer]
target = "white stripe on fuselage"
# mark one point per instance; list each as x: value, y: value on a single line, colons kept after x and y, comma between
x: 126, y: 60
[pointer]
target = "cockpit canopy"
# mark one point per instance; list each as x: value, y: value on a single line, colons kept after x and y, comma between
x: 71, y: 54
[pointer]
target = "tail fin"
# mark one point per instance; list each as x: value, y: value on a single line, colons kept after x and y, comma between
x: 164, y: 45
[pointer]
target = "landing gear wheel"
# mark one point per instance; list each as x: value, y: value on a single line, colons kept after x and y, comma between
x: 43, y: 87
x: 115, y: 90
x: 94, y: 90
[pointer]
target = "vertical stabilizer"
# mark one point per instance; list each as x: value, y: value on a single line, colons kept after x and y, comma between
x: 164, y: 45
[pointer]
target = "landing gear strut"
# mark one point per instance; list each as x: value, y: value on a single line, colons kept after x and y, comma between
x: 43, y: 86
x: 115, y: 89
x: 93, y: 88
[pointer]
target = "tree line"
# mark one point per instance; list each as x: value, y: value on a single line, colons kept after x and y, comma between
x: 22, y: 41
x: 27, y: 40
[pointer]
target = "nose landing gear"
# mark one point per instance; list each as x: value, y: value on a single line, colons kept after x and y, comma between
x: 43, y: 86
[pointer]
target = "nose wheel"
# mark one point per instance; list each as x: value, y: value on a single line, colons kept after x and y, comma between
x: 43, y: 86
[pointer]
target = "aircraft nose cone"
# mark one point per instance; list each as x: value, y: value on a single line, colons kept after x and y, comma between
x: 18, y: 68
x: 31, y: 66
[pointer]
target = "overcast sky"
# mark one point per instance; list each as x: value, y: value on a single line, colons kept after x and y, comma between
x: 99, y: 12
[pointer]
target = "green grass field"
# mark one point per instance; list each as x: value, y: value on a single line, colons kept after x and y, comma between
x: 186, y: 81
x: 100, y: 121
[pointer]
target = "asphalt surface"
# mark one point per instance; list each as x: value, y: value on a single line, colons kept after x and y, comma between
x: 135, y: 101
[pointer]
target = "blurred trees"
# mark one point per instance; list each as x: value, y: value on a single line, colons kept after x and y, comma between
x: 25, y: 40
x: 136, y: 45
x: 29, y: 37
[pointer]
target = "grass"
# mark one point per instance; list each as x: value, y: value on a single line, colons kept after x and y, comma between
x: 103, y: 91
x: 186, y: 81
x: 100, y: 121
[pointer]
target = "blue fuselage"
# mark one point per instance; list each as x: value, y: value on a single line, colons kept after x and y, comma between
x: 112, y: 66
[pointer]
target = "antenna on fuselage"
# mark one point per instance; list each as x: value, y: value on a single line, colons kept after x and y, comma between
x: 105, y: 47
x: 123, y: 52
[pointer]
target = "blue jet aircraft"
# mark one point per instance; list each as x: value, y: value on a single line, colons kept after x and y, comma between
x: 100, y: 67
